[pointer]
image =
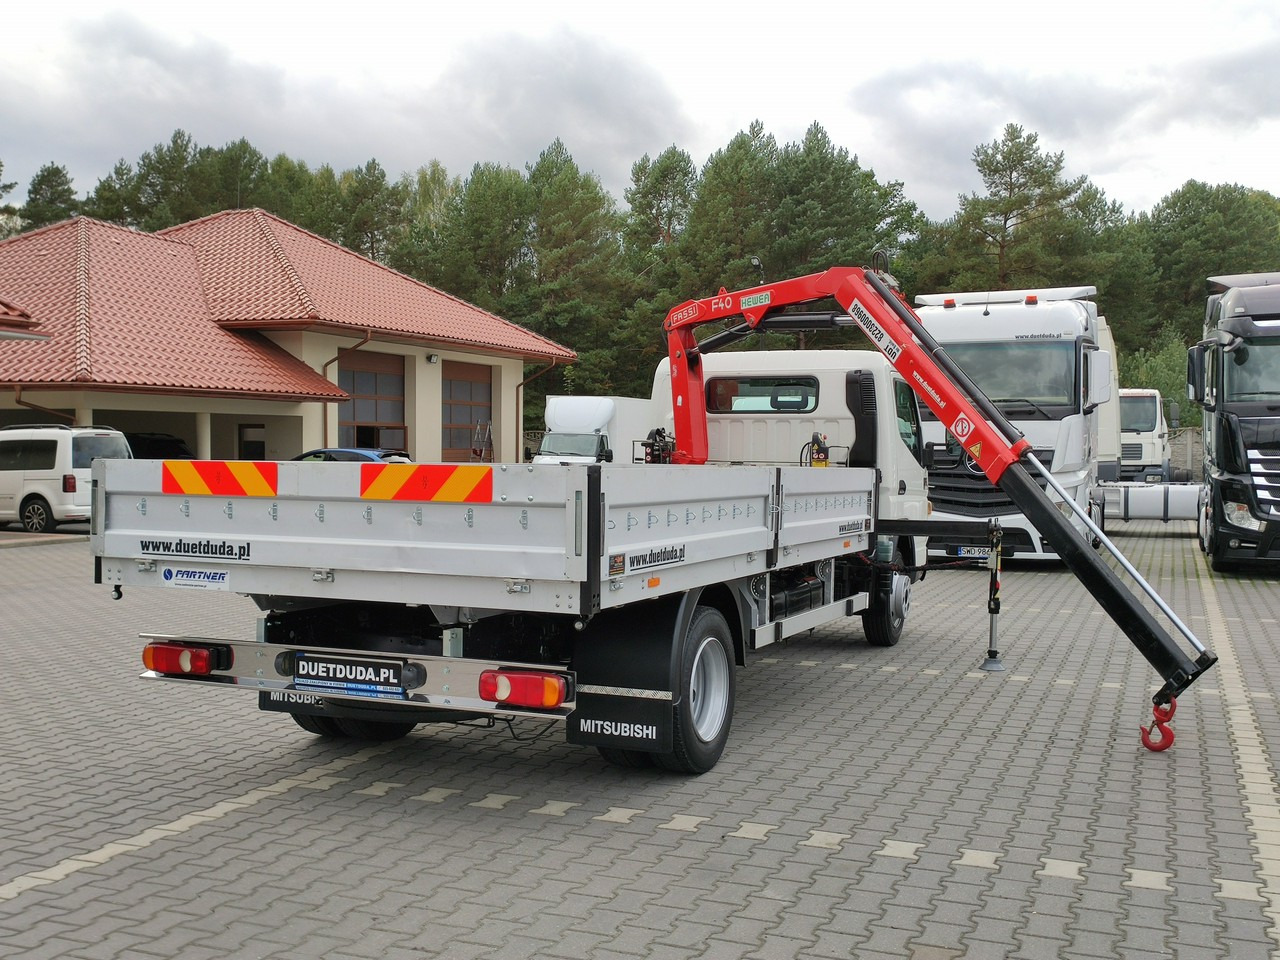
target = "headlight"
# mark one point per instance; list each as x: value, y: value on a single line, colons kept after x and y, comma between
x: 1238, y: 515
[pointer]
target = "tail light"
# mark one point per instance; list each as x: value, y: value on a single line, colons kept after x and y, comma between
x: 523, y: 688
x: 68, y: 483
x: 185, y: 659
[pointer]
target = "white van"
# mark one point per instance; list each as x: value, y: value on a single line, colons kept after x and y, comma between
x: 44, y: 472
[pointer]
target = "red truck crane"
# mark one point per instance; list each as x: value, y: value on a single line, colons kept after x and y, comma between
x: 877, y: 308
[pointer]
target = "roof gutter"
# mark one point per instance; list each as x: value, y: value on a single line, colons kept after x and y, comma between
x: 324, y: 371
x: 17, y: 398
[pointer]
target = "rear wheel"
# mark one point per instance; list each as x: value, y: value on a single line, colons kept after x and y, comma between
x: 378, y: 731
x: 704, y: 712
x: 36, y: 517
x: 631, y: 759
x: 320, y: 726
x: 884, y: 618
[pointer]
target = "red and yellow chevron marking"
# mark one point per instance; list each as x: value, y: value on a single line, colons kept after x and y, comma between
x: 220, y: 478
x: 434, y: 481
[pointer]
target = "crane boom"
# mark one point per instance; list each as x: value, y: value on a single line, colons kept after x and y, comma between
x: 881, y: 312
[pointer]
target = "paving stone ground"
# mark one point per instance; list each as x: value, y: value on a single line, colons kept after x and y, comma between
x: 873, y: 803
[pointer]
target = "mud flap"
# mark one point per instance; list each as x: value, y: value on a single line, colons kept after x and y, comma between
x: 623, y: 662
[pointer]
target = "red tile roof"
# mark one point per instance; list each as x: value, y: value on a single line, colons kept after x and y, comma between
x: 181, y: 310
x: 265, y: 273
x: 126, y: 311
x: 15, y: 321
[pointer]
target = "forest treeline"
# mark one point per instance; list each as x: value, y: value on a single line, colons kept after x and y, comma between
x: 549, y: 248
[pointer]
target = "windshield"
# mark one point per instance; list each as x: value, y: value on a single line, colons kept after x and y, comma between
x: 1253, y: 370
x: 570, y: 445
x: 88, y: 448
x: 1137, y: 414
x: 1036, y: 374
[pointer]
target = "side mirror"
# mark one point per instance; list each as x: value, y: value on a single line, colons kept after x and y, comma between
x: 1175, y: 416
x: 1195, y: 374
x: 1099, y: 378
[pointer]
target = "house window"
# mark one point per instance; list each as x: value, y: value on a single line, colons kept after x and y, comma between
x: 252, y: 441
x: 466, y: 409
x: 374, y: 416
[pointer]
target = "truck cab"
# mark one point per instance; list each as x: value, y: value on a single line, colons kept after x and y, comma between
x: 593, y: 429
x: 1036, y: 355
x: 1144, y: 444
x: 1234, y: 375
x: 817, y: 407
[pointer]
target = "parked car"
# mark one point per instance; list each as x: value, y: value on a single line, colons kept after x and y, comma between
x: 44, y: 472
x: 158, y: 446
x: 348, y: 454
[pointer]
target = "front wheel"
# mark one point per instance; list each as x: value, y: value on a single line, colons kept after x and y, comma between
x: 704, y: 711
x: 885, y: 617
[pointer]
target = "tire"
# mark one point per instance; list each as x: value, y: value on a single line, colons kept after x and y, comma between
x: 1219, y: 564
x: 883, y: 620
x: 1213, y: 547
x: 320, y: 726
x: 704, y: 711
x: 631, y: 759
x: 377, y: 731
x: 36, y: 517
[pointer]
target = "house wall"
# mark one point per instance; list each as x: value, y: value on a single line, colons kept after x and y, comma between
x: 422, y: 389
x: 211, y: 426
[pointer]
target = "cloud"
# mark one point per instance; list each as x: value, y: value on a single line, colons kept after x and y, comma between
x: 122, y: 88
x: 1109, y: 126
x: 608, y: 108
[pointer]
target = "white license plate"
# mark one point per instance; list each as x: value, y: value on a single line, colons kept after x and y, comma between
x: 982, y: 552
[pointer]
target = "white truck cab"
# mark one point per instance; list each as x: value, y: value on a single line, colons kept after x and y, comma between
x: 1036, y: 354
x: 767, y: 406
x: 594, y: 429
x: 1144, y: 436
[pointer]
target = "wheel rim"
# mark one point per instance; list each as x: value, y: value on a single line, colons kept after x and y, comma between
x: 35, y: 517
x: 709, y: 689
x: 899, y: 599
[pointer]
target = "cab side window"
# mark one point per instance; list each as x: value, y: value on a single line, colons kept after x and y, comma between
x: 908, y: 416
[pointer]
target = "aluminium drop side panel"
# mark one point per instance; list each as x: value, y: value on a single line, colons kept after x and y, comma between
x: 672, y: 528
x: 525, y: 548
x: 825, y: 512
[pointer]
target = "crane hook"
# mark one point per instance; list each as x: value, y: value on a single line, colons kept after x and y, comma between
x: 1162, y: 714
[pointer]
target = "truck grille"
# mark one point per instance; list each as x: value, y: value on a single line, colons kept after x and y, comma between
x: 1130, y: 451
x: 959, y: 487
x: 1264, y: 468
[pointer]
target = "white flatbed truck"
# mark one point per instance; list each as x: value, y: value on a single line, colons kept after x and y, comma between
x: 616, y: 599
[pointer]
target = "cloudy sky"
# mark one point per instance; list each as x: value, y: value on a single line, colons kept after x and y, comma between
x: 1138, y: 96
